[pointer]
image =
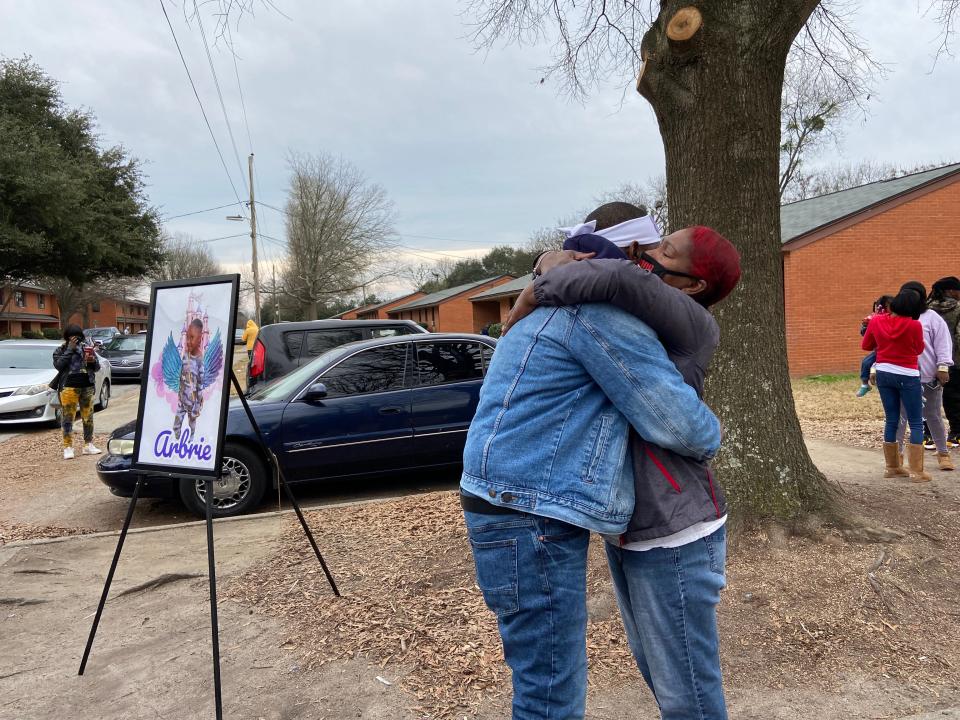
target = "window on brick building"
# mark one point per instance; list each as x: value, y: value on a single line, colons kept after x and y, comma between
x: 19, y: 298
x: 95, y: 307
x: 41, y: 301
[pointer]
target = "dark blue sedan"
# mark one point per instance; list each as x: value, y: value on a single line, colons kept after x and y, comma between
x: 379, y: 406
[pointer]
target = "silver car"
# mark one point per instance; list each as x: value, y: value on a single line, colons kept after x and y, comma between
x: 26, y: 369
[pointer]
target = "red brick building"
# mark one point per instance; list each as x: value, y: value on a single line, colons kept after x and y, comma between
x: 120, y: 314
x: 448, y: 310
x: 29, y: 308
x: 493, y: 305
x: 843, y: 250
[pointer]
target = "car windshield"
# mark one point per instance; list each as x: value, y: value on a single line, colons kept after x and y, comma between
x: 284, y: 386
x: 128, y: 342
x: 26, y: 358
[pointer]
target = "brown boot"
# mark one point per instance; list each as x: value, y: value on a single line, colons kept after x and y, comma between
x: 894, y: 460
x: 915, y: 461
x: 943, y: 459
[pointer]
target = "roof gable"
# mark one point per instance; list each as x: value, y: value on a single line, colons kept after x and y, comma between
x: 510, y: 288
x: 444, y: 295
x: 805, y: 216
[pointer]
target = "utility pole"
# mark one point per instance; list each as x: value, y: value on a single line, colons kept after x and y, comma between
x: 276, y: 302
x: 253, y: 239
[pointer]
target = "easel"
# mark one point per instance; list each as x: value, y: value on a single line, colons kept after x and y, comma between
x: 208, y: 494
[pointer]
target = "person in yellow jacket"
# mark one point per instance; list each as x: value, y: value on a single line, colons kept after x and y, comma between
x: 250, y: 337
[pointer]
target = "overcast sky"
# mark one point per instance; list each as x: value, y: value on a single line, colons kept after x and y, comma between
x: 470, y: 146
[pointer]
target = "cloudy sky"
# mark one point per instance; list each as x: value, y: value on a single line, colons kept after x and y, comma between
x: 471, y: 147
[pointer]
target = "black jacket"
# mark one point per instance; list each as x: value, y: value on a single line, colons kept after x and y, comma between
x: 673, y: 492
x: 67, y: 361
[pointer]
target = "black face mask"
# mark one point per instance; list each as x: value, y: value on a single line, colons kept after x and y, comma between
x: 648, y: 262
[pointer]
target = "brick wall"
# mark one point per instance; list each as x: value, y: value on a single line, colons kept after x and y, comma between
x: 380, y: 313
x: 453, y: 315
x: 830, y: 284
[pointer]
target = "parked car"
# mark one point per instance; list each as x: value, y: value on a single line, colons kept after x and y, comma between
x: 125, y: 355
x: 373, y: 407
x: 101, y: 335
x: 26, y: 370
x: 283, y: 347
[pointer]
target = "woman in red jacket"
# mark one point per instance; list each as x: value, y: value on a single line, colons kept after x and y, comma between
x: 897, y: 337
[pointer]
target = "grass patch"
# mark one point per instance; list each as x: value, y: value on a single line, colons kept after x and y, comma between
x: 849, y: 377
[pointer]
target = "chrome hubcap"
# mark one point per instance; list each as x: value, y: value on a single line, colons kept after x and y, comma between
x: 230, y: 488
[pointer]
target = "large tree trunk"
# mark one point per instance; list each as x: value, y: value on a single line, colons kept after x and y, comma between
x: 716, y: 95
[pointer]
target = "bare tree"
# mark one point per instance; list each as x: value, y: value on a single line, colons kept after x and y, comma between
x: 651, y: 195
x: 338, y: 226
x: 713, y: 73
x: 186, y: 257
x: 834, y: 178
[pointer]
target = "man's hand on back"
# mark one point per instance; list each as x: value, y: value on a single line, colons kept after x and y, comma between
x: 527, y: 302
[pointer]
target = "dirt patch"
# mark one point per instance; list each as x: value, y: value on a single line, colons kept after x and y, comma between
x: 829, y: 409
x: 817, y: 614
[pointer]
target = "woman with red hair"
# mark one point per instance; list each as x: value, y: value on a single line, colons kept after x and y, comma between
x: 669, y: 567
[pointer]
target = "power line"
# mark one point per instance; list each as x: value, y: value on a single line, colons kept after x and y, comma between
x: 225, y: 237
x: 197, y: 212
x: 216, y: 83
x: 200, y: 103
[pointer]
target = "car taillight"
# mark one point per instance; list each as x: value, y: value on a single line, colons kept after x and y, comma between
x: 259, y: 359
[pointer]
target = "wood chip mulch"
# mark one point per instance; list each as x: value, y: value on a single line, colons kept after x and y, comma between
x: 409, y: 600
x: 812, y: 613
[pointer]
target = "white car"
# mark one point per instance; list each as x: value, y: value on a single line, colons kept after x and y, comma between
x: 26, y: 369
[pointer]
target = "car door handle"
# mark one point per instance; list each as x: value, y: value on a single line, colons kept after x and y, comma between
x: 391, y: 410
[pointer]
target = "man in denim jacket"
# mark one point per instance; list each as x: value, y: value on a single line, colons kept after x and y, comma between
x: 546, y: 461
x: 669, y: 567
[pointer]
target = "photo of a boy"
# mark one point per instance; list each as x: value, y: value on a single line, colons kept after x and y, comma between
x: 190, y: 397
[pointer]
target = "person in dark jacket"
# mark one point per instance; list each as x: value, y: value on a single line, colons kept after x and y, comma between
x: 945, y: 301
x: 77, y: 367
x: 669, y: 567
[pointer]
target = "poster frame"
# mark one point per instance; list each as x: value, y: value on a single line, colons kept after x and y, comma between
x: 149, y: 468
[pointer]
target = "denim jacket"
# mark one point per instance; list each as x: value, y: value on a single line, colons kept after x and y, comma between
x: 672, y: 491
x: 550, y: 433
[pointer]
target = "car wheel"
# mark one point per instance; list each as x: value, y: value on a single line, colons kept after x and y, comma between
x: 58, y: 416
x: 238, y: 490
x: 104, y: 400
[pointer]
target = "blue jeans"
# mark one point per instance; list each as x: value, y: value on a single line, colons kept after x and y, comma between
x: 532, y: 572
x: 668, y: 600
x: 865, y: 366
x: 894, y: 391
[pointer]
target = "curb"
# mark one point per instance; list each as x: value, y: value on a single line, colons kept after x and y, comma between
x: 191, y: 524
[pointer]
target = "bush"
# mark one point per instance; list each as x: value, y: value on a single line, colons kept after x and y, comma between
x: 495, y: 330
x: 52, y: 333
x: 31, y: 335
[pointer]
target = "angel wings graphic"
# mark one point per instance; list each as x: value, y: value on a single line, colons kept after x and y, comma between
x: 167, y: 373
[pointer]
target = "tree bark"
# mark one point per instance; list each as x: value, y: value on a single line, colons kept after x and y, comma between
x: 717, y: 101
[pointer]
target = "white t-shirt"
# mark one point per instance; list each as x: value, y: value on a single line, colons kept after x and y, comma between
x: 896, y: 369
x: 678, y: 539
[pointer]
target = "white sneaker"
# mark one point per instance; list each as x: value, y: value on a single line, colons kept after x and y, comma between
x: 68, y: 453
x: 91, y: 449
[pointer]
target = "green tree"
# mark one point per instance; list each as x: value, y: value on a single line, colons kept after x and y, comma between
x: 67, y: 207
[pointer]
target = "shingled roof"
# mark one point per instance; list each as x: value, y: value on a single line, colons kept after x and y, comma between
x: 442, y: 295
x: 804, y: 216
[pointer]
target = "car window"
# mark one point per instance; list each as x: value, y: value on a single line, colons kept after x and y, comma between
x: 128, y: 342
x: 375, y: 370
x: 292, y: 342
x: 379, y: 332
x: 282, y: 387
x: 487, y: 353
x: 319, y: 341
x: 447, y: 362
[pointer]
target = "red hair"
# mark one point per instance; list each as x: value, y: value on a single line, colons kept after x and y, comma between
x: 716, y: 261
